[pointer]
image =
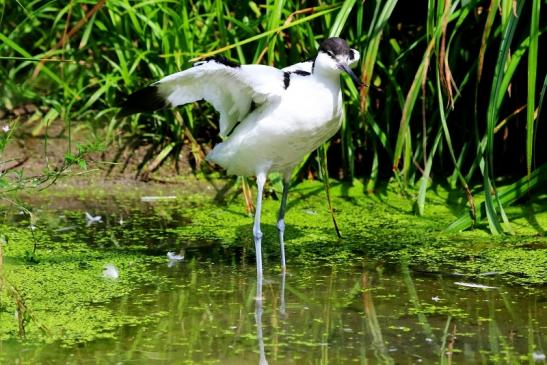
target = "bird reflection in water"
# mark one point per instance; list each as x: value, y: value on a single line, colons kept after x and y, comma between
x: 259, y: 309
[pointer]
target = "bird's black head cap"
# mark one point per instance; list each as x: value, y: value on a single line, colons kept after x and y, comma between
x: 335, y: 46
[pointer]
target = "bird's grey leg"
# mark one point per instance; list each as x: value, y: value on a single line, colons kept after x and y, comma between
x: 257, y: 233
x: 281, y: 219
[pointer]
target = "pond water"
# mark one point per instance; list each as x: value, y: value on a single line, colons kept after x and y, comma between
x: 364, y: 312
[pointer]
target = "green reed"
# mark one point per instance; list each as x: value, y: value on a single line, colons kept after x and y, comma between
x: 449, y: 101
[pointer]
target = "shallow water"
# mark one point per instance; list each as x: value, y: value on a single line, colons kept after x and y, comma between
x: 205, y: 310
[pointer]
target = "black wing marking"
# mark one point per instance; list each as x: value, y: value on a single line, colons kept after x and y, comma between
x: 221, y: 60
x: 144, y: 100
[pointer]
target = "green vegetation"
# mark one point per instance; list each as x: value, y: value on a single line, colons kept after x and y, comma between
x: 62, y: 297
x: 59, y: 293
x: 383, y: 227
x: 455, y: 86
x: 446, y: 137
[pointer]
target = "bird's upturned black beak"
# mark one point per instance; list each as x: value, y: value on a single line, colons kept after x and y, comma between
x: 353, y: 76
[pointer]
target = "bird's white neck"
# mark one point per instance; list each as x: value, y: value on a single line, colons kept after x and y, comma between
x: 325, y: 71
x: 327, y: 77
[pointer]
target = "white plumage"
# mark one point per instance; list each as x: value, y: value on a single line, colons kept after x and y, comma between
x: 229, y: 89
x: 269, y: 118
x: 281, y: 131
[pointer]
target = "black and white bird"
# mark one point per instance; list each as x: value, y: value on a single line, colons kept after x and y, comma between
x: 270, y: 118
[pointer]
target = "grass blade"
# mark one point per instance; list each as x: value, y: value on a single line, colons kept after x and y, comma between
x: 341, y: 18
x: 508, y: 195
x: 50, y: 73
x: 324, y: 173
x: 410, y: 101
x: 420, y: 200
x: 496, y: 96
x: 532, y: 73
x: 327, y: 10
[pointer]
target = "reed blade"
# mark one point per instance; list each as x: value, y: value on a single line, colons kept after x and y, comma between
x: 532, y: 74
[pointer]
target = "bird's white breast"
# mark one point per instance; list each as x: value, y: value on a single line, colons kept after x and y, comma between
x: 276, y: 137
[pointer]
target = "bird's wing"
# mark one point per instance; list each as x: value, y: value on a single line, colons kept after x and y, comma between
x: 229, y: 87
x: 306, y: 66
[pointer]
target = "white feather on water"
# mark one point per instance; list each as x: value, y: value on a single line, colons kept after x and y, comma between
x: 92, y: 219
x: 474, y: 285
x: 111, y: 272
x: 174, y: 257
x: 150, y: 199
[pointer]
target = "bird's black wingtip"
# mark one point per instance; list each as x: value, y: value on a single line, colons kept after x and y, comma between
x: 143, y: 100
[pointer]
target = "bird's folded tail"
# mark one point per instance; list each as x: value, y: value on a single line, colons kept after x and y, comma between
x: 143, y: 100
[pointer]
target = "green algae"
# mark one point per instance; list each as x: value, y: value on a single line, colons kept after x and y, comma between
x: 381, y: 227
x: 64, y: 288
x: 67, y: 296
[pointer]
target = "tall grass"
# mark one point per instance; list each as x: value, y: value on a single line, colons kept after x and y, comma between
x: 449, y: 101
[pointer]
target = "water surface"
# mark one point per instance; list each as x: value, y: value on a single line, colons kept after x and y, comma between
x: 203, y: 309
